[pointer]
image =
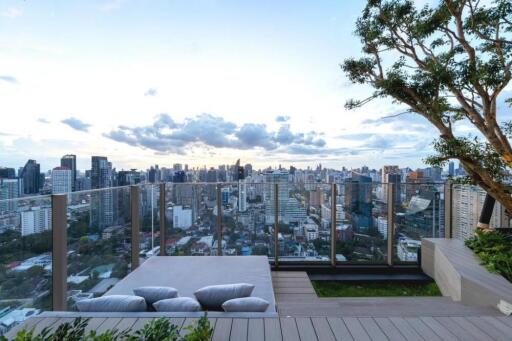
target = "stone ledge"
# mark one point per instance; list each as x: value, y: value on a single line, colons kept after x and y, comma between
x: 459, y: 274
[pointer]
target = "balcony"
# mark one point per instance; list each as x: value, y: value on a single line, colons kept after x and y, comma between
x: 63, y: 248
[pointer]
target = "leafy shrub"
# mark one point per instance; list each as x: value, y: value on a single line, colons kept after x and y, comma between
x: 495, y: 251
x: 157, y: 330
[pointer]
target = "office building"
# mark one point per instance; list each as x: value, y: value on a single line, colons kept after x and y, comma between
x: 181, y: 217
x: 69, y: 161
x: 36, y: 220
x: 31, y: 176
x: 7, y: 173
x: 62, y: 180
x: 466, y: 209
x: 271, y: 178
x: 102, y: 202
x: 9, y: 189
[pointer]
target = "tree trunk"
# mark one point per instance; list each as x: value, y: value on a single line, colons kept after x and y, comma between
x: 486, y: 213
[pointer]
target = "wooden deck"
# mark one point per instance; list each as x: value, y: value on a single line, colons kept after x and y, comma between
x: 296, y: 297
x: 304, y: 316
x: 320, y: 328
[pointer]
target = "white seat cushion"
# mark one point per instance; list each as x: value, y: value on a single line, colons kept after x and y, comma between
x: 154, y: 294
x: 113, y: 303
x: 212, y: 297
x: 177, y: 304
x: 245, y: 304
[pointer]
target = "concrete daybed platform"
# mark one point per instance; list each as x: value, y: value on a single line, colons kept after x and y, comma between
x: 459, y: 274
x: 189, y: 273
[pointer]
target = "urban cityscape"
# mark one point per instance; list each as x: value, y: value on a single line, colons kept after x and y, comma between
x: 99, y: 218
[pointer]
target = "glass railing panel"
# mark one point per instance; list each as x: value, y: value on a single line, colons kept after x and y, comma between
x: 99, y: 241
x: 467, y: 203
x: 149, y: 221
x: 25, y: 259
x: 419, y: 214
x: 304, y: 216
x: 191, y: 217
x: 245, y: 232
x: 361, y: 221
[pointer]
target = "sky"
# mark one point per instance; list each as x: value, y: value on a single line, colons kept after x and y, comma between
x: 203, y: 82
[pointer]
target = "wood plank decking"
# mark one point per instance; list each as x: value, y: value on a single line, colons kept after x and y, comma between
x: 321, y: 328
x: 304, y: 317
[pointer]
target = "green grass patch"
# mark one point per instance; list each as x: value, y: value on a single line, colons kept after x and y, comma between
x: 375, y: 289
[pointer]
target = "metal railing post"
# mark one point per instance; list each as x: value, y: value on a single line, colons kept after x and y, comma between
x: 59, y: 252
x: 333, y: 224
x: 391, y: 222
x: 163, y: 206
x: 135, y: 216
x: 219, y: 220
x: 276, y: 225
x: 448, y: 205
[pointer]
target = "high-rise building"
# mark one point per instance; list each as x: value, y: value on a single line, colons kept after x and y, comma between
x: 389, y: 170
x: 242, y: 195
x: 9, y: 189
x: 467, y: 206
x: 126, y: 178
x: 316, y: 197
x: 69, y: 161
x: 154, y: 174
x: 36, y: 220
x: 451, y: 168
x: 247, y: 170
x: 279, y: 177
x: 7, y: 173
x: 395, y: 180
x: 102, y: 204
x: 358, y: 202
x: 62, y: 180
x: 31, y: 175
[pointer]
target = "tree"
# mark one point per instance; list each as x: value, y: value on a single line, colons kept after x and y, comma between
x: 450, y: 64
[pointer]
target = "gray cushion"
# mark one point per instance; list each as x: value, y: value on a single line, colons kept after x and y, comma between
x: 245, y: 304
x: 154, y: 294
x: 212, y: 297
x: 113, y: 303
x: 177, y: 304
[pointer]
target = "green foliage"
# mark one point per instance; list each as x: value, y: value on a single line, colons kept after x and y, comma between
x: 161, y: 329
x: 495, y: 251
x: 202, y: 331
x: 157, y: 330
x: 374, y: 289
x: 449, y: 62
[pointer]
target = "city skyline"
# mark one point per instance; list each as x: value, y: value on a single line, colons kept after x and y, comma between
x: 183, y: 85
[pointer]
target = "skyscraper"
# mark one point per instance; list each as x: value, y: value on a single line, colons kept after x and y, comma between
x: 62, y: 180
x: 7, y: 173
x: 101, y: 201
x: 279, y: 177
x: 9, y: 189
x: 31, y: 176
x: 451, y: 168
x: 389, y: 170
x: 69, y: 161
x: 358, y: 202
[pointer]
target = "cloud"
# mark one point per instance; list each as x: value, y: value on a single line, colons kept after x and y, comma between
x: 11, y: 13
x: 76, y: 124
x: 8, y: 79
x: 111, y: 5
x: 206, y: 130
x: 282, y: 118
x: 43, y: 120
x: 151, y: 92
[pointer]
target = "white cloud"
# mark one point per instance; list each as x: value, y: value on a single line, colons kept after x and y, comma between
x: 111, y: 5
x: 11, y: 13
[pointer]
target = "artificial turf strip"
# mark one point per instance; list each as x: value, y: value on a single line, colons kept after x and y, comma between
x: 374, y: 289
